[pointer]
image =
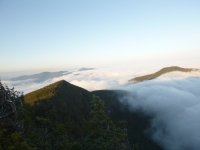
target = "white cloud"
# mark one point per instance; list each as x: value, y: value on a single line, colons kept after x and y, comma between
x: 97, y: 79
x: 175, y: 107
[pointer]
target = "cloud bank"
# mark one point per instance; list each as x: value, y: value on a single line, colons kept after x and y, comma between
x: 90, y: 79
x: 175, y: 108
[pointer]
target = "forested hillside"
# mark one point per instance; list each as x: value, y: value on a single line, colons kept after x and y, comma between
x: 63, y: 116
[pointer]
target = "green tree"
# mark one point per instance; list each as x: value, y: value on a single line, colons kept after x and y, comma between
x: 101, y: 132
x: 11, y: 120
x: 13, y: 141
x: 10, y: 108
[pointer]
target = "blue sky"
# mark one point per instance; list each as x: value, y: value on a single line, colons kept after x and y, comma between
x: 47, y: 34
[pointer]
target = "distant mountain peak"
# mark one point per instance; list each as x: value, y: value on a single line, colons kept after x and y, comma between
x: 85, y: 69
x: 41, y: 77
x: 162, y: 72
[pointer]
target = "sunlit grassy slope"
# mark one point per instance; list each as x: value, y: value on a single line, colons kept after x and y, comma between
x: 55, y: 90
x: 161, y: 72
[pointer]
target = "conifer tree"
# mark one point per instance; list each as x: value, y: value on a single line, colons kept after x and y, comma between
x: 101, y: 132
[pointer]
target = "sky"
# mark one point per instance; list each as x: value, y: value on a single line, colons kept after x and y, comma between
x: 54, y: 34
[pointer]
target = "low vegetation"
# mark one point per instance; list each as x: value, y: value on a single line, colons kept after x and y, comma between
x: 161, y: 72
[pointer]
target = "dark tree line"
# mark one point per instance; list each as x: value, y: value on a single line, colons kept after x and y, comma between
x: 11, y: 108
x: 11, y: 120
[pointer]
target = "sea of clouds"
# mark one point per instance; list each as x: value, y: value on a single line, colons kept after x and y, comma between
x: 92, y: 79
x: 174, y: 106
x: 172, y: 100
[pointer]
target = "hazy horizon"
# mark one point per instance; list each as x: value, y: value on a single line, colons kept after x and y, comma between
x: 54, y: 35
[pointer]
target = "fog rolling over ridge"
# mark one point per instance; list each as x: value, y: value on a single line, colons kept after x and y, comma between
x: 88, y: 78
x: 171, y: 97
x: 95, y: 78
x: 174, y: 106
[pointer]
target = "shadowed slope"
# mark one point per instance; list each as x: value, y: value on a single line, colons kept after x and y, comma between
x: 136, y: 122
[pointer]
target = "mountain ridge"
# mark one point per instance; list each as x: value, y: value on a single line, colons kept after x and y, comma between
x: 64, y: 100
x: 161, y: 72
x: 71, y: 117
x: 50, y: 91
x: 40, y: 77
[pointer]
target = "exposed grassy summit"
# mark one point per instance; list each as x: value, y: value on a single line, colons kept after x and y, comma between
x: 42, y: 94
x: 161, y: 72
x: 51, y: 91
